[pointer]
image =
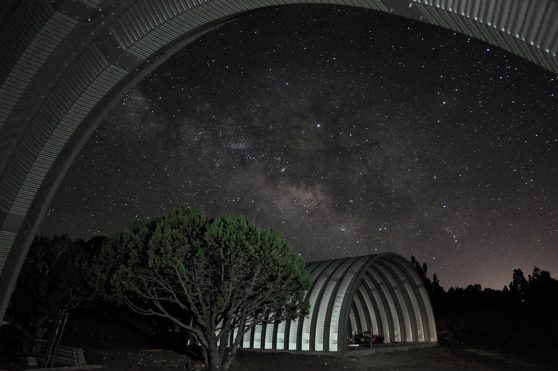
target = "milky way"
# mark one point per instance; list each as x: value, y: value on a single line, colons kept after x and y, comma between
x: 350, y: 131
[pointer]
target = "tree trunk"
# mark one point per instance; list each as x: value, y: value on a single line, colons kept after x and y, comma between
x: 213, y: 356
x: 227, y: 362
x: 229, y: 356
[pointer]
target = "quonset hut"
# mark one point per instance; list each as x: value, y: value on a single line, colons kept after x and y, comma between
x: 379, y: 293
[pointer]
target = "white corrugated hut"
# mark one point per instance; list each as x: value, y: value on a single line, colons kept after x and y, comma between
x: 379, y: 293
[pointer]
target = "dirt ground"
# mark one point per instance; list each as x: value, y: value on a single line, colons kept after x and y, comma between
x: 438, y: 358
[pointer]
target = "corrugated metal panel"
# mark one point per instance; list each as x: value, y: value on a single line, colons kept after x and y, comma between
x: 413, y: 294
x: 548, y: 22
x: 340, y: 296
x: 149, y: 25
x: 257, y: 337
x: 317, y: 278
x: 429, y: 324
x: 268, y: 341
x: 369, y: 309
x: 48, y: 38
x: 135, y: 24
x: 407, y: 309
x: 280, y: 337
x: 359, y: 312
x: 92, y: 3
x: 88, y: 99
x: 387, y: 301
x: 318, y: 287
x: 352, y: 320
x: 392, y: 302
x: 293, y: 335
x: 145, y: 28
x: 83, y: 86
x: 24, y: 23
x: 6, y: 240
x: 399, y: 302
x: 335, y: 277
x: 246, y: 339
x: 381, y: 302
x: 35, y: 34
x: 530, y: 22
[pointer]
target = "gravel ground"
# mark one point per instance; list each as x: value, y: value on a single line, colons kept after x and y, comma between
x: 438, y: 358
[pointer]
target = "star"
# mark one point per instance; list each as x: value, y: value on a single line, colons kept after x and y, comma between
x: 312, y: 122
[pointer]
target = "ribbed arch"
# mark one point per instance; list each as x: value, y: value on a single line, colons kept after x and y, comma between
x: 364, y: 304
x: 422, y: 296
x: 325, y: 303
x: 65, y: 63
x: 303, y: 326
x: 381, y: 305
x: 319, y: 288
x: 333, y: 314
x: 403, y: 302
x: 380, y: 293
x: 357, y: 313
x: 417, y: 332
x: 413, y: 296
x: 372, y: 309
x: 390, y: 301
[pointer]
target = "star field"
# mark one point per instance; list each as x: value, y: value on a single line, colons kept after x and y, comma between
x: 350, y: 131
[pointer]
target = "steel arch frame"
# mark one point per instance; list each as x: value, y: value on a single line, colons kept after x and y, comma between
x: 385, y: 289
x: 66, y: 62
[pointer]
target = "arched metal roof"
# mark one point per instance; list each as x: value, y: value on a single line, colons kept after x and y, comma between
x: 65, y: 63
x: 378, y: 293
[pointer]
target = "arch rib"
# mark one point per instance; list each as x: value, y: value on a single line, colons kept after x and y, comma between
x: 377, y: 293
x: 91, y: 53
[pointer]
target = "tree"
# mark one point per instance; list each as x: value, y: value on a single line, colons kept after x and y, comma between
x: 56, y: 276
x: 543, y: 291
x: 214, y: 278
x: 420, y: 269
x: 519, y: 285
x: 55, y: 279
x: 433, y: 286
x: 435, y: 289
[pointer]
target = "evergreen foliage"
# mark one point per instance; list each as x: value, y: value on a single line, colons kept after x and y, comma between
x: 208, y: 276
x: 522, y: 315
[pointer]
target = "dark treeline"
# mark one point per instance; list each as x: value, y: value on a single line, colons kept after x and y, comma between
x: 523, y: 314
x: 56, y: 279
x: 56, y: 276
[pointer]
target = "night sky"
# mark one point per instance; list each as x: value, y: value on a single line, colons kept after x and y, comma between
x: 350, y: 131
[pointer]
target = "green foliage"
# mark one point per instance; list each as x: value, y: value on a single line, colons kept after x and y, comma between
x: 206, y: 275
